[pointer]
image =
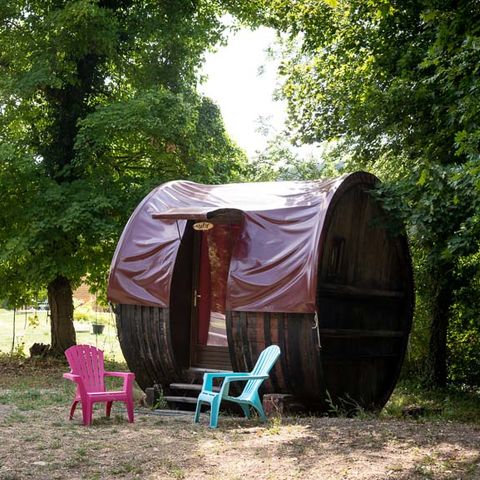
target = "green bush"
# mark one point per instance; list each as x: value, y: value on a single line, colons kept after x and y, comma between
x: 451, y: 404
x: 83, y: 317
x: 463, y: 340
x: 464, y: 331
x: 101, y: 318
x: 417, y: 352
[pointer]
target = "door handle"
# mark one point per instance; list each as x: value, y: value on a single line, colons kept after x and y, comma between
x: 195, y: 297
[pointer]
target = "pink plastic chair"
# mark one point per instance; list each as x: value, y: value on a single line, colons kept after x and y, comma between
x: 88, y: 372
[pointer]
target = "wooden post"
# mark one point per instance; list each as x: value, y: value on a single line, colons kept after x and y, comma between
x: 14, y: 322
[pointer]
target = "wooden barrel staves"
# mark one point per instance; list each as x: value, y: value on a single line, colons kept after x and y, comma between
x: 143, y: 334
x: 345, y: 355
x: 350, y: 355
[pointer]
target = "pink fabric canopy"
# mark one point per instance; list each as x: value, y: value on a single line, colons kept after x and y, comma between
x: 274, y: 262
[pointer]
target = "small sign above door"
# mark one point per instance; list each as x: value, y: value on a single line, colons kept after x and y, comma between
x: 202, y: 226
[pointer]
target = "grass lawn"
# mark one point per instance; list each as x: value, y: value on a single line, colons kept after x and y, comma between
x: 30, y: 330
x: 39, y: 442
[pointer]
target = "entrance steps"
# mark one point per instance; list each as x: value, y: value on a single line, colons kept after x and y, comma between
x: 183, y: 396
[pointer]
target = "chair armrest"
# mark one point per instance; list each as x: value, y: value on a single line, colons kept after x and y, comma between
x: 209, y: 377
x: 128, y: 378
x: 225, y: 374
x: 119, y: 374
x: 245, y: 378
x: 228, y: 377
x: 224, y: 391
x: 80, y: 385
x: 72, y: 377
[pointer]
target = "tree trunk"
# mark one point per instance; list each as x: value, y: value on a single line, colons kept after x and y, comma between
x: 61, y: 311
x: 442, y: 296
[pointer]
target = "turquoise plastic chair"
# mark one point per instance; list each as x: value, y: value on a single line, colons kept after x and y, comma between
x: 248, y: 398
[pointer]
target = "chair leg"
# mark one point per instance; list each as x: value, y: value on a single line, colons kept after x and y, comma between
x: 259, y: 408
x: 129, y: 405
x: 214, y: 411
x: 246, y: 410
x: 196, y: 418
x: 87, y: 412
x: 72, y: 409
x: 108, y: 409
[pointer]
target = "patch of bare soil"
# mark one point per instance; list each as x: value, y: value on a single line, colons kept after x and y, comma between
x: 35, y: 371
x: 5, y: 410
x: 43, y: 444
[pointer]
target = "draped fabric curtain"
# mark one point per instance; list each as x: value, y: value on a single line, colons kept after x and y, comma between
x: 216, y: 253
x: 204, y: 291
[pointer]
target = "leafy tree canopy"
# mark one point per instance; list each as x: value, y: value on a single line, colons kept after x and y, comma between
x: 98, y: 103
x: 396, y: 84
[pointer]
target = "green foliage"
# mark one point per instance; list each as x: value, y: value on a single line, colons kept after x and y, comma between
x: 344, y: 407
x: 30, y: 399
x: 452, y: 404
x: 33, y: 321
x: 97, y: 105
x: 83, y: 317
x: 274, y: 425
x: 92, y: 317
x: 396, y: 86
x: 281, y: 161
x: 19, y: 351
x: 443, y: 232
x: 464, y: 334
x: 160, y: 402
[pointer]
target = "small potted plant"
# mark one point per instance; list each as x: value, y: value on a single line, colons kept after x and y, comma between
x: 97, y: 328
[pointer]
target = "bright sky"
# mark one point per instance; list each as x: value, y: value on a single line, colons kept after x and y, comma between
x: 242, y: 94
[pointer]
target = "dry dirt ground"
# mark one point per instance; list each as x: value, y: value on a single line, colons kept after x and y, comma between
x: 37, y: 441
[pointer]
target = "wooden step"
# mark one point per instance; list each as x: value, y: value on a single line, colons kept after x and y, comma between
x: 194, y: 387
x: 173, y: 399
x: 207, y: 370
x: 170, y: 413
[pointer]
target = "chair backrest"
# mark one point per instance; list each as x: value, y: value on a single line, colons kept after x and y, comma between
x: 264, y: 364
x: 87, y: 361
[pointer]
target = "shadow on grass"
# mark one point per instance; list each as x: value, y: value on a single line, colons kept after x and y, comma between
x: 452, y: 404
x: 173, y: 447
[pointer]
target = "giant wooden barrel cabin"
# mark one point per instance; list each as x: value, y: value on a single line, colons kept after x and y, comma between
x: 206, y: 276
